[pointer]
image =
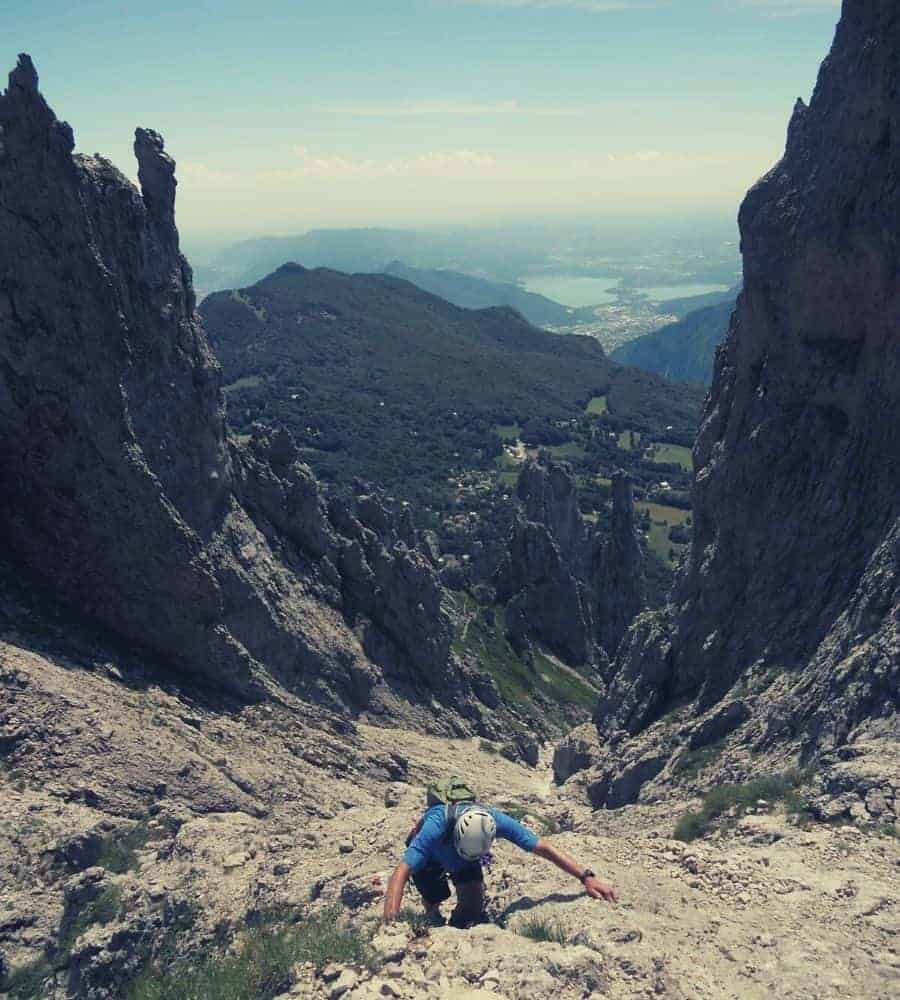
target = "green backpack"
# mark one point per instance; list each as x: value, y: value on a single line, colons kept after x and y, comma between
x: 454, y: 794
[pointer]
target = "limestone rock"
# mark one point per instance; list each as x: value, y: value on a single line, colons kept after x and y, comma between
x: 122, y: 494
x: 577, y: 752
x: 345, y: 982
x: 795, y: 561
x: 564, y: 584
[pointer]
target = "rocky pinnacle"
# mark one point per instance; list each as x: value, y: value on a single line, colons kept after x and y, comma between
x: 566, y: 584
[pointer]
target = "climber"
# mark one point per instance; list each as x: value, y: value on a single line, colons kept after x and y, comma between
x: 453, y: 838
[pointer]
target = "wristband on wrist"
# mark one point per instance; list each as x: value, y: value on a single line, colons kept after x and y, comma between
x: 586, y: 874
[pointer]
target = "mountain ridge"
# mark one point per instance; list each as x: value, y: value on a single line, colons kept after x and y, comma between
x: 472, y: 292
x: 333, y: 356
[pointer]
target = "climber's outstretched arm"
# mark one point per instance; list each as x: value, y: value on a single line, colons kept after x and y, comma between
x: 393, y: 897
x: 592, y: 885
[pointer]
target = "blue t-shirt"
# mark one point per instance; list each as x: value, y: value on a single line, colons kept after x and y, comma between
x: 432, y: 844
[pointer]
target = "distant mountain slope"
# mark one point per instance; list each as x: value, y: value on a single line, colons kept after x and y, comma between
x: 691, y: 303
x: 364, y: 250
x: 684, y: 350
x: 478, y: 293
x: 380, y: 379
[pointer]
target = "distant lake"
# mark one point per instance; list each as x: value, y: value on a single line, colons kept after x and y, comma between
x: 659, y: 293
x: 577, y: 291
x: 572, y: 290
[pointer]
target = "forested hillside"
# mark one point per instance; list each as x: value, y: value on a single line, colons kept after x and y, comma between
x: 684, y: 350
x: 376, y: 378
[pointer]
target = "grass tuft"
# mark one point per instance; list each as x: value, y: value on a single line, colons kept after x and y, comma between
x: 418, y: 921
x: 259, y: 963
x: 734, y: 801
x: 692, y: 762
x: 119, y: 851
x: 27, y: 983
x: 560, y: 693
x: 103, y: 910
x: 542, y: 929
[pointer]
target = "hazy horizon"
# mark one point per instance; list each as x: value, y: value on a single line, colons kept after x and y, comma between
x: 429, y: 113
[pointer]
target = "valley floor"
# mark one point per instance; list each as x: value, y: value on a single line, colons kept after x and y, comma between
x: 117, y: 789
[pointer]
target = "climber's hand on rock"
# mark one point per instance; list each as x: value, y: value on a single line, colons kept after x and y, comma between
x: 391, y: 909
x: 393, y: 895
x: 600, y: 890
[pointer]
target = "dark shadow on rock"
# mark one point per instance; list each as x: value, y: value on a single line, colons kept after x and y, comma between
x: 527, y: 903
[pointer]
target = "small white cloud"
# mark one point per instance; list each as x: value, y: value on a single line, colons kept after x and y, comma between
x: 191, y: 171
x: 431, y: 164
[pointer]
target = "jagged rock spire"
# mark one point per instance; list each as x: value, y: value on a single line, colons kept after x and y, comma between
x: 620, y: 581
x: 25, y: 115
x: 156, y: 173
x: 565, y: 586
x: 24, y: 76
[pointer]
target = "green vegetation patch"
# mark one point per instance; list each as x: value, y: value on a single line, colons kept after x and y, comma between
x: 629, y: 440
x: 508, y: 432
x: 568, y: 452
x: 27, y: 982
x: 258, y: 311
x: 384, y: 382
x: 734, y: 800
x: 670, y: 454
x: 507, y: 462
x: 119, y: 851
x: 247, y: 382
x: 661, y: 519
x: 258, y: 964
x: 418, y: 920
x: 518, y: 681
x: 542, y: 929
x: 597, y: 406
x: 692, y: 762
x: 103, y: 910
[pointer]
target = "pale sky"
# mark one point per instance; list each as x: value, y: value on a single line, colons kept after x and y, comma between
x: 289, y: 114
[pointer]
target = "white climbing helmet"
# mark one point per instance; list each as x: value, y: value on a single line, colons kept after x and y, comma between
x: 474, y: 833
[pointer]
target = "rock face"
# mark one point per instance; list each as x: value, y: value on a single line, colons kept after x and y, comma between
x: 565, y: 583
x: 121, y: 491
x: 794, y: 571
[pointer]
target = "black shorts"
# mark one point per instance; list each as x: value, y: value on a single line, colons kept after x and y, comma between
x: 432, y: 882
